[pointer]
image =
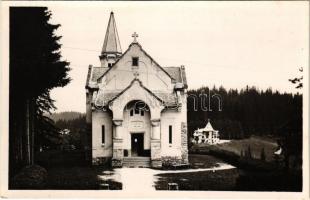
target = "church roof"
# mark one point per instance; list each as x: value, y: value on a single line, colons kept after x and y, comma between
x: 177, y: 73
x: 130, y: 85
x: 111, y: 40
x: 112, y: 45
x: 93, y: 74
x: 136, y: 43
x: 104, y: 98
x: 97, y: 72
x: 174, y: 73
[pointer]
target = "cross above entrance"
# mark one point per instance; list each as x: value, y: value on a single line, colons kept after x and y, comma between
x: 135, y: 35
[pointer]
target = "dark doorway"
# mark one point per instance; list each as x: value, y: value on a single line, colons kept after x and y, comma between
x: 137, y: 144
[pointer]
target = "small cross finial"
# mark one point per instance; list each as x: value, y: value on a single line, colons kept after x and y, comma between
x: 135, y: 35
x: 136, y: 74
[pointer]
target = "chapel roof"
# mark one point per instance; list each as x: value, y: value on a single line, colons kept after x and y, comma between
x: 207, y: 128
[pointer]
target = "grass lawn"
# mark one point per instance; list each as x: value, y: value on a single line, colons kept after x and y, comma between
x: 222, y: 180
x: 66, y: 170
x: 205, y: 180
x: 203, y: 161
x: 230, y: 179
x: 236, y: 146
x: 78, y: 178
x: 69, y: 171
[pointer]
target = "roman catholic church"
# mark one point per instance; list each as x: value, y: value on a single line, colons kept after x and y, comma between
x: 136, y: 107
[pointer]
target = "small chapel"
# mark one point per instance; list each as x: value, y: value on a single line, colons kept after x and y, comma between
x: 136, y: 107
x: 206, y: 135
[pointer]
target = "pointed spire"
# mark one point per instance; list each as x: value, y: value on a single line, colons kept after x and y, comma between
x: 111, y: 41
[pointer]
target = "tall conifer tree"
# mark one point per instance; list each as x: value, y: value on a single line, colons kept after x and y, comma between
x: 36, y: 68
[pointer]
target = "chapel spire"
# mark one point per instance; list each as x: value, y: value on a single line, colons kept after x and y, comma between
x: 111, y: 49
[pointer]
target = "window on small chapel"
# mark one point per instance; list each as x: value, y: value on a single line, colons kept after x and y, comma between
x: 135, y: 61
x: 131, y: 112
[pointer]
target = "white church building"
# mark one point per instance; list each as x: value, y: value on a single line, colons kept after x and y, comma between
x: 136, y: 107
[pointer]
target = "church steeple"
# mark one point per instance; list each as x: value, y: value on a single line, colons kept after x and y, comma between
x: 111, y: 49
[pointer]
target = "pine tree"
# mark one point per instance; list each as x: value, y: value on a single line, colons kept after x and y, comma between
x: 36, y: 68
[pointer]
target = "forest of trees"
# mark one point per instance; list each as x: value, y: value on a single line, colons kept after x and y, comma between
x: 246, y: 112
x: 242, y: 113
x: 67, y: 115
x: 79, y: 132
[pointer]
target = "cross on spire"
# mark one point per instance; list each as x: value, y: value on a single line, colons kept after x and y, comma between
x: 134, y: 35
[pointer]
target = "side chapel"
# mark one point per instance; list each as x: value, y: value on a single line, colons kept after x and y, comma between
x: 136, y: 108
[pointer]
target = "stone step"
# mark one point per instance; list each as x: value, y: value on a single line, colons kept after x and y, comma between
x: 137, y: 158
x: 143, y: 161
x: 137, y: 162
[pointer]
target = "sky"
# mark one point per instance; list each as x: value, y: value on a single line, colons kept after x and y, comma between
x: 230, y: 44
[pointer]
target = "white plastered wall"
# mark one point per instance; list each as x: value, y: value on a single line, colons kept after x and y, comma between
x: 100, y: 118
x: 174, y: 118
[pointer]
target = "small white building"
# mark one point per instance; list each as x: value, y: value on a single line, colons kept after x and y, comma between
x: 206, y: 135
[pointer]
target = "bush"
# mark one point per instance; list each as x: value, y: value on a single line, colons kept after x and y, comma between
x: 53, y: 158
x: 30, y: 177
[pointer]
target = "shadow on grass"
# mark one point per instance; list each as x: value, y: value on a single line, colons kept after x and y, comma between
x: 68, y: 170
x: 221, y: 180
x: 79, y: 178
x: 252, y: 175
x: 281, y: 180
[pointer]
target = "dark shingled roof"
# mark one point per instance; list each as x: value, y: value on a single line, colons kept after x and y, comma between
x: 178, y: 74
x: 175, y: 73
x: 97, y: 72
x: 103, y: 98
x: 94, y: 73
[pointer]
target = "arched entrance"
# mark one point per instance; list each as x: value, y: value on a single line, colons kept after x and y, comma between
x: 137, y: 129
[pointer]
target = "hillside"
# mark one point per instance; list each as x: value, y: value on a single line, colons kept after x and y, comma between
x: 65, y: 115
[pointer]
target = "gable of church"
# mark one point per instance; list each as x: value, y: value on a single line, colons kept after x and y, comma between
x: 135, y: 62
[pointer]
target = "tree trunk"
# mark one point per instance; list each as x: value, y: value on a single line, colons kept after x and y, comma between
x: 28, y: 149
x: 32, y: 117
